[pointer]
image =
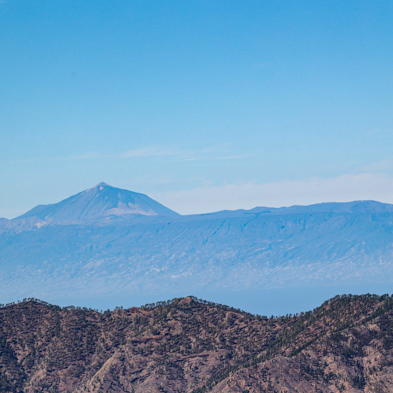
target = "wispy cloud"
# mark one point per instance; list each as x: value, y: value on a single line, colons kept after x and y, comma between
x: 379, y: 166
x: 86, y: 156
x: 149, y: 151
x: 174, y: 153
x: 235, y: 157
x: 219, y: 152
x: 343, y: 188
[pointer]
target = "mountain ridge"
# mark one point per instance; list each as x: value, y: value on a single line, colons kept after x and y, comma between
x: 190, y: 345
x: 128, y: 203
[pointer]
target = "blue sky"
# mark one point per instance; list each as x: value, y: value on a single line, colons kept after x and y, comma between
x: 203, y: 105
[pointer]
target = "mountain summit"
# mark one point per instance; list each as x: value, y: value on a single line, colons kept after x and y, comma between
x: 101, y: 201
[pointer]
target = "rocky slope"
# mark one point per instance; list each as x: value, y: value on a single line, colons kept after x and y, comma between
x: 189, y: 345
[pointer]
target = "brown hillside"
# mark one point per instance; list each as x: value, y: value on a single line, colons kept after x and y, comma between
x: 188, y: 345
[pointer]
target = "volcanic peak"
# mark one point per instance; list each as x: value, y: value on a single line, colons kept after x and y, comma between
x: 101, y: 201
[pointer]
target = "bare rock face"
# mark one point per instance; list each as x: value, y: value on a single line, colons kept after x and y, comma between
x: 189, y: 345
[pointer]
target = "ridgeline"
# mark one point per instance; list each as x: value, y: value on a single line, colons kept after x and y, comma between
x: 190, y: 345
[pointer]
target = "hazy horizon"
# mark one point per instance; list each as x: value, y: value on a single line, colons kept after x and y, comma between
x: 207, y: 212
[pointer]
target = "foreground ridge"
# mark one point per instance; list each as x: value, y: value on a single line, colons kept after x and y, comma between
x: 191, y: 345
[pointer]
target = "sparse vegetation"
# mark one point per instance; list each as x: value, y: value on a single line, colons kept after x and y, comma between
x: 191, y: 345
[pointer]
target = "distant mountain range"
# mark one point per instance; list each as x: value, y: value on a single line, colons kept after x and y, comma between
x: 106, y: 241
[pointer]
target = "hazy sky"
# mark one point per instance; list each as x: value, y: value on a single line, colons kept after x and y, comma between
x: 203, y: 105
